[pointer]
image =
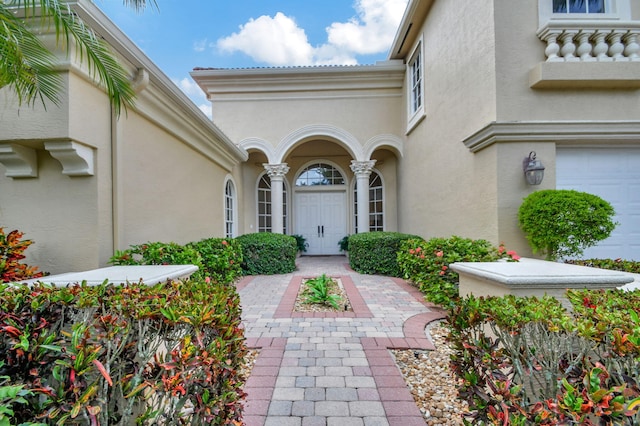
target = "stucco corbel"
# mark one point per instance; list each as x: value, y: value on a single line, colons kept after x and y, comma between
x: 76, y: 159
x: 20, y: 161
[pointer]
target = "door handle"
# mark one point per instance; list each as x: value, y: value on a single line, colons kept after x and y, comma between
x: 322, y: 231
x: 318, y: 231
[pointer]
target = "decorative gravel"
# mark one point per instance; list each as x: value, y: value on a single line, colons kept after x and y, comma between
x: 430, y: 380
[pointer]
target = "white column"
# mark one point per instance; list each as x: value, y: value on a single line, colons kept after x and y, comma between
x: 362, y: 170
x: 276, y: 173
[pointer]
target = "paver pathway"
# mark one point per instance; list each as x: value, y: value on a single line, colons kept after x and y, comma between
x: 331, y: 369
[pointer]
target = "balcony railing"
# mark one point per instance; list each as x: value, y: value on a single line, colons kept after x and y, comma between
x: 591, y: 41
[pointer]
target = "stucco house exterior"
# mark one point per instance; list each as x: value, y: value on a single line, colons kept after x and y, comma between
x: 430, y: 141
x: 440, y: 130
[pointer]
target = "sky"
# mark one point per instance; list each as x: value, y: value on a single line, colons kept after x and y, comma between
x: 180, y: 35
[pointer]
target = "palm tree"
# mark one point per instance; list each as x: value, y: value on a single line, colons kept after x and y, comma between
x: 28, y: 68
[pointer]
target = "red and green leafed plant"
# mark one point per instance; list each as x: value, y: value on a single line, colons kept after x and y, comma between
x: 12, y: 248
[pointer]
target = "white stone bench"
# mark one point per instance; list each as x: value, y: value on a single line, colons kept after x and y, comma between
x: 533, y: 277
x: 148, y: 274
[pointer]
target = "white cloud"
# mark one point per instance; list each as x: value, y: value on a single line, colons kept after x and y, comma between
x: 193, y: 91
x: 276, y: 41
x: 200, y: 45
x: 279, y: 41
x: 372, y: 30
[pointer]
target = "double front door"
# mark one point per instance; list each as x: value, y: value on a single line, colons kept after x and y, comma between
x: 321, y: 218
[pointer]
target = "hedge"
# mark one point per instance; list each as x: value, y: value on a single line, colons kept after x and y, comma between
x: 268, y: 254
x: 131, y: 354
x: 376, y: 252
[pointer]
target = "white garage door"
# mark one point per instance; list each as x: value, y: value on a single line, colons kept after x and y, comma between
x: 614, y: 175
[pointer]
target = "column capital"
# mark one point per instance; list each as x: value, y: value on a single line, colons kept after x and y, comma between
x: 362, y: 168
x: 276, y: 170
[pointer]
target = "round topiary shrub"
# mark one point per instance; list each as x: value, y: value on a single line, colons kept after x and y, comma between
x: 563, y: 223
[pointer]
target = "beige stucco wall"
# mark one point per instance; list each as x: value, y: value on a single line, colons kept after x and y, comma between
x: 519, y: 50
x: 273, y: 118
x: 445, y: 189
x: 159, y: 170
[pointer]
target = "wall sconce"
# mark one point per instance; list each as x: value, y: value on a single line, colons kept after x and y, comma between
x: 533, y: 169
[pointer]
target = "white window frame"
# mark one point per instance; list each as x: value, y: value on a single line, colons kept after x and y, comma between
x: 415, y: 112
x: 384, y: 203
x: 230, y: 208
x: 285, y: 205
x: 615, y: 10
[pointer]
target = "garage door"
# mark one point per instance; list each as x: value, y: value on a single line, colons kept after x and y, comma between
x: 614, y: 175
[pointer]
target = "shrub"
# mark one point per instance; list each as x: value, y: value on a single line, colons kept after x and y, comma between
x: 267, y: 254
x: 562, y: 223
x: 11, y: 254
x: 376, y: 252
x: 159, y: 254
x: 221, y: 258
x: 612, y: 264
x: 318, y: 291
x: 131, y: 354
x: 301, y: 243
x: 343, y: 244
x: 426, y: 263
x: 529, y: 361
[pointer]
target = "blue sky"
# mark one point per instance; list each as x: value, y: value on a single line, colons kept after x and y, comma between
x: 182, y: 35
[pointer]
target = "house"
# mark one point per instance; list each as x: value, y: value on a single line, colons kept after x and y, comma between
x: 81, y: 183
x: 430, y: 141
x: 441, y: 129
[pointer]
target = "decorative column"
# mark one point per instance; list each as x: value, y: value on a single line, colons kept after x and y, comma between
x: 362, y: 170
x: 276, y: 173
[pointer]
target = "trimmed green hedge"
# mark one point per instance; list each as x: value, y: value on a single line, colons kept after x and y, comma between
x: 268, y: 254
x: 376, y: 252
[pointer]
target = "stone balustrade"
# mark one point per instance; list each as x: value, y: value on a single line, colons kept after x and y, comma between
x: 591, y: 41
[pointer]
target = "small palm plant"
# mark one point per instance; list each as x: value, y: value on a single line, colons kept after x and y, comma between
x: 318, y: 291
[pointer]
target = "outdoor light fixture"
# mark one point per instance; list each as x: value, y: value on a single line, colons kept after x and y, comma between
x: 533, y: 169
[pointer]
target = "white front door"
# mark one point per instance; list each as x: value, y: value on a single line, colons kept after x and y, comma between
x: 321, y: 218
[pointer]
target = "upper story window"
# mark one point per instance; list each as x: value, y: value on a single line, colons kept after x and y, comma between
x: 320, y: 174
x: 415, y: 71
x: 415, y: 87
x: 593, y: 10
x: 579, y: 6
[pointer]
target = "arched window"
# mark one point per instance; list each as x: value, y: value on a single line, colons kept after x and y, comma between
x: 376, y: 203
x: 229, y: 209
x: 264, y: 205
x: 320, y: 174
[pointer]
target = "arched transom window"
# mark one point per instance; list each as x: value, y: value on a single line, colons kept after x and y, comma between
x: 264, y: 205
x: 320, y: 174
x: 376, y: 203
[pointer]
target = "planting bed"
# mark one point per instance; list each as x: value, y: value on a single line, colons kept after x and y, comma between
x: 301, y: 305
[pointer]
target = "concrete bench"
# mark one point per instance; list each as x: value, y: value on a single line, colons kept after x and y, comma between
x: 533, y: 277
x: 148, y: 274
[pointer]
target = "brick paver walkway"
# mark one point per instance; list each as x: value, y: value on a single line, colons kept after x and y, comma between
x: 331, y: 369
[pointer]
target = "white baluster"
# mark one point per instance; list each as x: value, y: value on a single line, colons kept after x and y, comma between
x: 552, y: 49
x: 584, y: 45
x: 600, y: 46
x: 568, y: 48
x: 616, y: 48
x: 632, y: 49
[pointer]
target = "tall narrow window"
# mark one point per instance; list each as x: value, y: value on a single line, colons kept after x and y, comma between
x: 579, y: 6
x: 229, y: 209
x: 415, y: 68
x: 376, y: 203
x: 264, y: 205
